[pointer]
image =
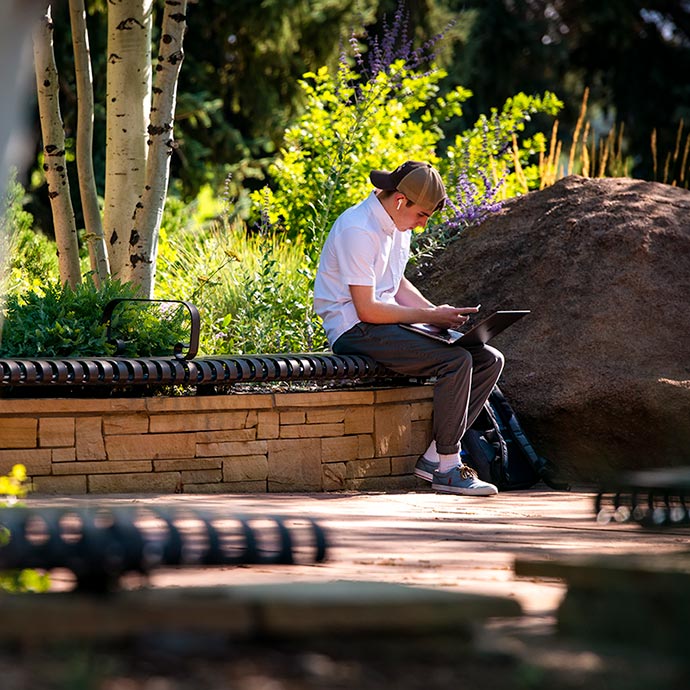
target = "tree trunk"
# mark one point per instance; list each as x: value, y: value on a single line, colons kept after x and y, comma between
x: 128, y: 106
x: 147, y: 218
x: 54, y: 163
x: 98, y: 254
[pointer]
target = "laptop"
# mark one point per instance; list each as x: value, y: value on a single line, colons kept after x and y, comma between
x: 478, y: 334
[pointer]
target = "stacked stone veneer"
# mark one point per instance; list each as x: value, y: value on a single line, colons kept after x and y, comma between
x: 312, y: 441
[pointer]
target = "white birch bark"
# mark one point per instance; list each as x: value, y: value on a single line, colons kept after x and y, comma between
x: 128, y: 105
x: 141, y: 267
x: 98, y: 255
x: 54, y: 163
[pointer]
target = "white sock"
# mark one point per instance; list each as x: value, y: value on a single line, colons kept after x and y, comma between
x: 430, y: 453
x: 448, y: 462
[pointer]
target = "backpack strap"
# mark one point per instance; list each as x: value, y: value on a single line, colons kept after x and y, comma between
x: 501, y: 472
x: 544, y: 469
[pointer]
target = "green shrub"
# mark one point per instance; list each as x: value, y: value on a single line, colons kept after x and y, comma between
x: 349, y: 128
x: 352, y: 124
x: 13, y: 217
x: 59, y: 321
x: 29, y: 257
x: 494, y: 147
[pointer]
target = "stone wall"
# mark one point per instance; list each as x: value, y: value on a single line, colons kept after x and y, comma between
x: 271, y: 442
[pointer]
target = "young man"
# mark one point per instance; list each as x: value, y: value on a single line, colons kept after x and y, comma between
x: 362, y: 294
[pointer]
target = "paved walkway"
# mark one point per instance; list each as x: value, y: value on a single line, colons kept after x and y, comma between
x: 443, y: 544
x: 466, y: 544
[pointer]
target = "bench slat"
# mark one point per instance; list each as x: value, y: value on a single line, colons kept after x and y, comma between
x: 118, y: 372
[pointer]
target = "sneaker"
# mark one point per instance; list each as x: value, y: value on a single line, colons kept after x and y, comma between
x: 462, y: 480
x: 424, y: 469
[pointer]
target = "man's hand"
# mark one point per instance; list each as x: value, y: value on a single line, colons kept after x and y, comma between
x: 414, y: 308
x: 447, y: 316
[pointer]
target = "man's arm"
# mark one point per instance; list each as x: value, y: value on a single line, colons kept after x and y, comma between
x: 409, y: 296
x: 412, y: 307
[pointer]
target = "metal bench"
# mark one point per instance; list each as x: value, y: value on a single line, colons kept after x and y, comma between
x: 652, y: 498
x: 168, y: 371
x: 182, y: 368
x: 99, y: 544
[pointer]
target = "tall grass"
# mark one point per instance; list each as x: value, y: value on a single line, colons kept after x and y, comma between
x: 675, y: 163
x: 252, y: 289
x: 589, y: 155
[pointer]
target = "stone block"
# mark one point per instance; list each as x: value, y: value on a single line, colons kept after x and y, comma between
x: 311, y: 430
x: 197, y: 421
x: 114, y: 424
x: 340, y: 448
x: 102, y: 467
x: 404, y: 464
x: 225, y: 436
x: 422, y: 411
x: 201, y: 476
x: 118, y: 405
x: 36, y: 460
x: 150, y: 446
x: 70, y: 484
x: 56, y: 432
x: 89, y: 438
x: 48, y: 407
x: 326, y: 416
x: 247, y: 468
x: 404, y: 394
x: 293, y: 417
x: 421, y: 436
x: 248, y: 487
x: 359, y: 420
x: 204, y: 450
x: 294, y: 465
x: 334, y: 475
x: 268, y: 425
x: 64, y: 454
x: 18, y: 432
x: 178, y: 464
x: 323, y: 399
x: 221, y: 403
x: 374, y: 467
x: 141, y: 482
x: 380, y: 615
x: 398, y: 483
x: 393, y: 430
x: 365, y: 444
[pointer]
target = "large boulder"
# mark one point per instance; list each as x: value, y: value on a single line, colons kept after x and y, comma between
x: 599, y: 372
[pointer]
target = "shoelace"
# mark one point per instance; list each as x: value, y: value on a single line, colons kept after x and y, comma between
x: 467, y: 472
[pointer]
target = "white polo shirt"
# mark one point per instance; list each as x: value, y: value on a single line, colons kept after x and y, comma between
x: 364, y: 247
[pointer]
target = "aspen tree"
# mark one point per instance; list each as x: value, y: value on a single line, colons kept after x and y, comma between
x: 54, y: 160
x: 128, y: 104
x: 98, y: 255
x: 143, y: 239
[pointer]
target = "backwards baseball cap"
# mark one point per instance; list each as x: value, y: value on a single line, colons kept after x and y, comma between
x: 419, y: 182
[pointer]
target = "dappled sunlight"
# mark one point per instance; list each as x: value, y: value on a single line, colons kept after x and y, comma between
x: 466, y: 544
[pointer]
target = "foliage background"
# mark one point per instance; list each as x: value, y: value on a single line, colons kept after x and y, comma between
x: 239, y: 86
x: 277, y: 132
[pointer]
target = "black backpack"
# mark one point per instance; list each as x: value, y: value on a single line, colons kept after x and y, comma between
x: 497, y: 448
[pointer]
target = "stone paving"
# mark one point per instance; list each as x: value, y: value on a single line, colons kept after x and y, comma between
x: 465, y: 544
x: 437, y: 548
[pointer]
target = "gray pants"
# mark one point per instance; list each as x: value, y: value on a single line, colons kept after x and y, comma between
x: 464, y: 376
